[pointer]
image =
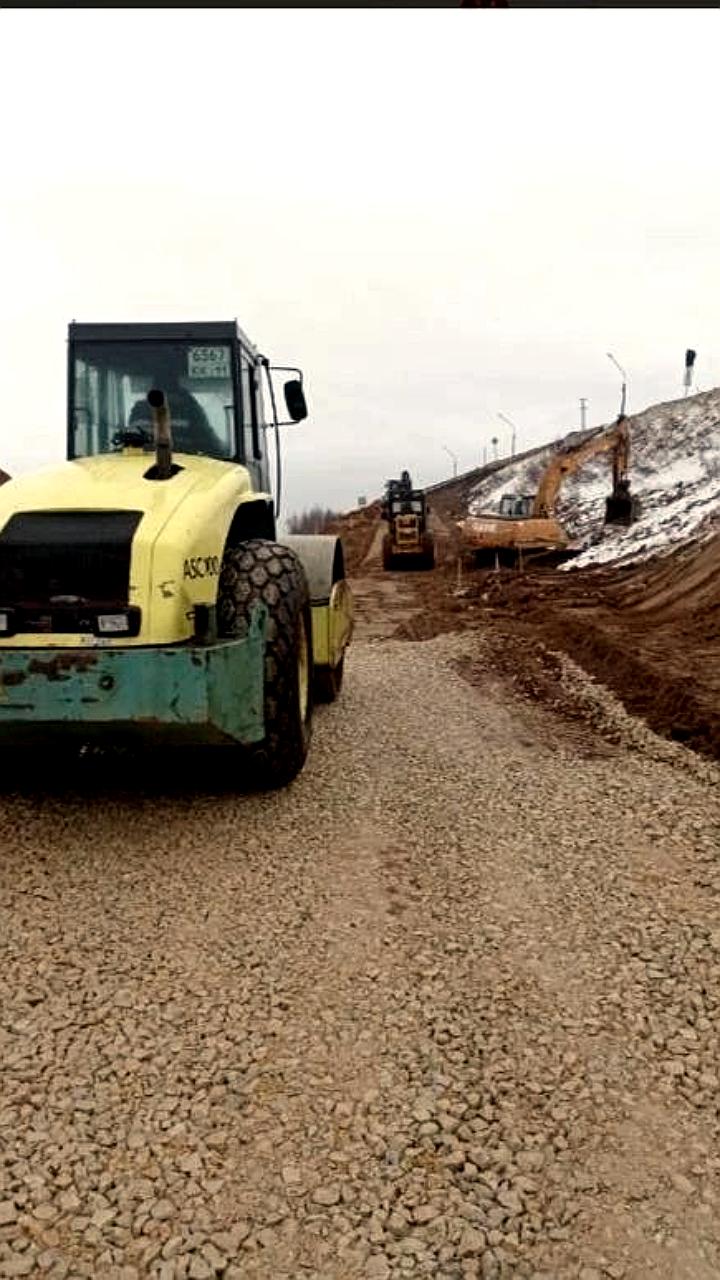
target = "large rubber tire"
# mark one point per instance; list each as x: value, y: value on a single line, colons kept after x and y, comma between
x: 268, y: 572
x: 387, y: 555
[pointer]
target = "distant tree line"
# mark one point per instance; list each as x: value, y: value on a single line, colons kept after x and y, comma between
x: 314, y: 520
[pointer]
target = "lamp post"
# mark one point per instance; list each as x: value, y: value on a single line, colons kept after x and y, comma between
x: 453, y: 457
x: 513, y: 428
x: 623, y: 374
x: 689, y: 362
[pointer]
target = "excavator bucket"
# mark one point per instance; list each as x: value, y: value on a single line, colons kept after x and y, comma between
x: 622, y: 507
x: 618, y: 510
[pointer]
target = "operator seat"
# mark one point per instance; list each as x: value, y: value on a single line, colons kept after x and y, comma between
x: 191, y: 430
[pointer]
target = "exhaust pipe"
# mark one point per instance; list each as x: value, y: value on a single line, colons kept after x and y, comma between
x: 162, y: 432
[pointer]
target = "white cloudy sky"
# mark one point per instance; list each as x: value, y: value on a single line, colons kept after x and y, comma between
x: 439, y: 214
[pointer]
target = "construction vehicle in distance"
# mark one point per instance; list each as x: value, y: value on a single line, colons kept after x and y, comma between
x: 144, y: 593
x: 527, y: 523
x: 408, y: 542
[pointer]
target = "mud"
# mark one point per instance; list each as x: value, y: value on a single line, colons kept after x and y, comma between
x: 651, y: 634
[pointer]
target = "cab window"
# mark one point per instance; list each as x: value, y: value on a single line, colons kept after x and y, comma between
x: 248, y: 393
x: 109, y: 396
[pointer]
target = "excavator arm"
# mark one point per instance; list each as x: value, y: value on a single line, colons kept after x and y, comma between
x: 615, y: 439
x: 621, y: 456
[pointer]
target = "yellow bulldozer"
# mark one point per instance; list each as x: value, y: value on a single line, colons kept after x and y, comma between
x: 527, y: 523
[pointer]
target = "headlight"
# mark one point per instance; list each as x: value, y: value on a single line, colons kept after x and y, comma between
x: 6, y: 622
x: 115, y: 624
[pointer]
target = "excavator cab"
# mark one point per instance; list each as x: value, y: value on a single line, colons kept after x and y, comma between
x: 516, y: 504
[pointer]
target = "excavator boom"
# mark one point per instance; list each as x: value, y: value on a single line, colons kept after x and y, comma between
x: 569, y: 461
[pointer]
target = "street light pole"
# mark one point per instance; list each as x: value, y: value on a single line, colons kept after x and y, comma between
x: 622, y: 372
x: 513, y: 428
x: 453, y: 456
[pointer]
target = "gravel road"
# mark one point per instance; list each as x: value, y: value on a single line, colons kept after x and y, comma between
x: 448, y: 1006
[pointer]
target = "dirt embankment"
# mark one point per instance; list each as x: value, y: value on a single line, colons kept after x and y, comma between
x: 357, y: 530
x: 651, y: 633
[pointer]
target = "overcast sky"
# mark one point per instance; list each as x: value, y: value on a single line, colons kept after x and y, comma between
x: 439, y: 214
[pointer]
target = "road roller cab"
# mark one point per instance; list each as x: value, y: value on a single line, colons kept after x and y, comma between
x: 143, y: 589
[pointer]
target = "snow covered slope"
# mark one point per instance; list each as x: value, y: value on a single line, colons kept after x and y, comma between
x: 674, y: 471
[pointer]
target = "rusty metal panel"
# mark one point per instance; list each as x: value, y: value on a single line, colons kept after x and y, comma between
x: 215, y: 692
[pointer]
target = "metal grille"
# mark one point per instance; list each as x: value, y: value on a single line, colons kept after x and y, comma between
x: 62, y: 556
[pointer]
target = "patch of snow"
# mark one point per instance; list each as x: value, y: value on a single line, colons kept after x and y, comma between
x: 681, y: 471
x: 663, y: 527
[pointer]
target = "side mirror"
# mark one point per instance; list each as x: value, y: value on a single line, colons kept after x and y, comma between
x: 295, y: 400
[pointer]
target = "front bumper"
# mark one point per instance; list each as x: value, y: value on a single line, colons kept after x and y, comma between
x: 212, y: 693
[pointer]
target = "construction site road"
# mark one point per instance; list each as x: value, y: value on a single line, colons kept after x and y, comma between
x: 447, y: 1006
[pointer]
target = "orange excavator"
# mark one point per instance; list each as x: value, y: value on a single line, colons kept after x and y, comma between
x: 527, y: 523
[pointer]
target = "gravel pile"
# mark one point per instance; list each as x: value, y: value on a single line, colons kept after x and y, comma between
x: 448, y: 1006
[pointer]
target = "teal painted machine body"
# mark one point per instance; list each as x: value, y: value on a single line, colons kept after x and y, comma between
x: 198, y: 693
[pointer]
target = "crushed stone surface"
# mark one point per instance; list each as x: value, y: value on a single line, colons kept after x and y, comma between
x: 445, y: 1007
